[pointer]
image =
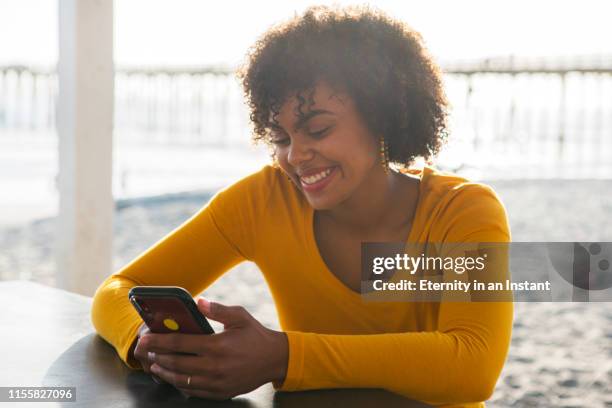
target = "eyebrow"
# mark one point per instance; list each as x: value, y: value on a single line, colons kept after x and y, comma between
x: 305, y: 118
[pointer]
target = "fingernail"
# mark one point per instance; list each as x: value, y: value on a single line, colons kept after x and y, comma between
x: 151, y: 356
x: 155, y: 368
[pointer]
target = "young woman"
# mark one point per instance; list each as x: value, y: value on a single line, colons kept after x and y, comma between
x: 339, y: 94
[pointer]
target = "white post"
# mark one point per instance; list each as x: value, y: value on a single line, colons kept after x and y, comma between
x: 85, y: 126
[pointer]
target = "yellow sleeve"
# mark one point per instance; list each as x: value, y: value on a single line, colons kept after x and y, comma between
x: 458, y: 363
x: 192, y: 256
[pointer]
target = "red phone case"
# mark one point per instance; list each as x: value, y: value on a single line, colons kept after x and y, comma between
x: 168, y: 310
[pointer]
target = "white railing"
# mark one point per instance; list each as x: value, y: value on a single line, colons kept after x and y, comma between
x: 551, y: 110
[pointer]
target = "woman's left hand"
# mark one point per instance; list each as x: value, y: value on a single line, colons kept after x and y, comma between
x: 241, y: 358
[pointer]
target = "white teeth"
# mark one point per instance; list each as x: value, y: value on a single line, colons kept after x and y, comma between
x: 316, y: 177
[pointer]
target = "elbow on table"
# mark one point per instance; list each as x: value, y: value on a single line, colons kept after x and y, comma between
x: 469, y: 378
x: 104, y: 302
x: 482, y: 389
x: 459, y: 392
x: 475, y: 374
x: 460, y: 384
x: 98, y: 305
x: 479, y: 386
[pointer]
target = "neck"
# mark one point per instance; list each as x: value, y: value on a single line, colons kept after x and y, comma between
x: 369, y: 207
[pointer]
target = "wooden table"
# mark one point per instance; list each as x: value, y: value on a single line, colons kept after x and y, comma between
x: 47, y: 339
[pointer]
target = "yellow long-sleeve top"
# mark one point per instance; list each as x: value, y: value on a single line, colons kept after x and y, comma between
x: 441, y: 353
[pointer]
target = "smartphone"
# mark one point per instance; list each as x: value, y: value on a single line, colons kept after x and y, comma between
x: 168, y: 309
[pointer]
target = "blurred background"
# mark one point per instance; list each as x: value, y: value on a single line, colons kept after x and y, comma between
x: 531, y: 90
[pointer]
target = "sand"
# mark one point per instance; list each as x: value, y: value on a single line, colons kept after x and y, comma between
x: 561, y: 353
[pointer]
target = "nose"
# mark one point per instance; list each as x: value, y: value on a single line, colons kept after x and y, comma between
x: 299, y: 152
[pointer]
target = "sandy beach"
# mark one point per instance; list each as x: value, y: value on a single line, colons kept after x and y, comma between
x: 561, y: 353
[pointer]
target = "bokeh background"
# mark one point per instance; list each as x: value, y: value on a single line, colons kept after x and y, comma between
x: 531, y: 89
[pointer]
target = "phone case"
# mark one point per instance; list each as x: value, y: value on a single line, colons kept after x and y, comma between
x: 168, y: 309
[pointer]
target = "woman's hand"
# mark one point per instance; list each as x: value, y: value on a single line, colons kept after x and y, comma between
x: 141, y: 354
x: 243, y: 357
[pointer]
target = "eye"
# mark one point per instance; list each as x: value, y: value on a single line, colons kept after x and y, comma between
x: 280, y: 141
x: 278, y: 137
x: 319, y: 133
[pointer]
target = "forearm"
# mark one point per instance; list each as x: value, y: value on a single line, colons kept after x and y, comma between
x: 452, y: 365
x: 192, y: 256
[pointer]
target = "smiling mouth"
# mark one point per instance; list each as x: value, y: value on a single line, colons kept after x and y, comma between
x: 315, y: 178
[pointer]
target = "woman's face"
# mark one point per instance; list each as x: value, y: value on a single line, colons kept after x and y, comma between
x: 329, y: 154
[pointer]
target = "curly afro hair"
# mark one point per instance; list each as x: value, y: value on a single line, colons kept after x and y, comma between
x: 379, y: 62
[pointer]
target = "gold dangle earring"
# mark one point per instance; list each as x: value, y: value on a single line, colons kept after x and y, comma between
x: 384, y: 155
x: 275, y: 163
